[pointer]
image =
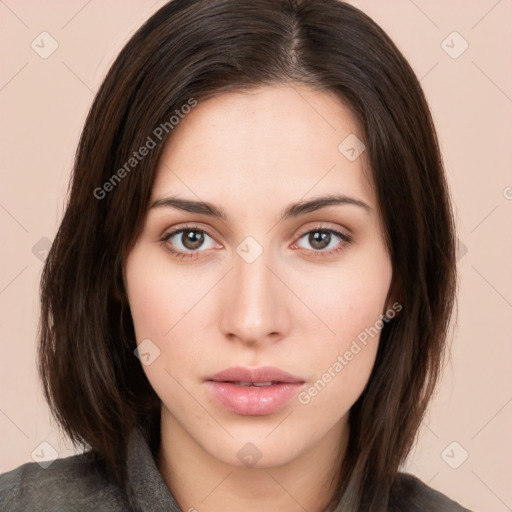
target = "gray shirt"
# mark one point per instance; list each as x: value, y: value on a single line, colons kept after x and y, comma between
x: 79, y: 484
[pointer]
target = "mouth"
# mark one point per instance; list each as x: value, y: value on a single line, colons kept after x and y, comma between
x: 253, y: 384
x: 253, y: 392
x: 262, y: 376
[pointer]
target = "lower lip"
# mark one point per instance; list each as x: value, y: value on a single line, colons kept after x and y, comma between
x: 253, y: 401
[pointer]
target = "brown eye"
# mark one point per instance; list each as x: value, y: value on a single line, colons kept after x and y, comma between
x: 192, y: 239
x: 325, y: 241
x: 319, y: 240
x: 187, y: 242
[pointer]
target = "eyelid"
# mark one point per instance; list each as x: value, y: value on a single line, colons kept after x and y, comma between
x: 316, y: 226
x: 324, y: 227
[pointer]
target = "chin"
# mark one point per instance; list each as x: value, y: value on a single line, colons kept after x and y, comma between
x: 250, y: 448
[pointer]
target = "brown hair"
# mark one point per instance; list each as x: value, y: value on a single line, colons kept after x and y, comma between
x: 191, y: 50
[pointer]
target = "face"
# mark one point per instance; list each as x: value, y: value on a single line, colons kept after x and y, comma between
x: 262, y: 285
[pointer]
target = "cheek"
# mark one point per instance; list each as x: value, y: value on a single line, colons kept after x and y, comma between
x: 351, y: 307
x: 348, y: 300
x: 160, y: 295
x: 162, y: 304
x: 340, y: 364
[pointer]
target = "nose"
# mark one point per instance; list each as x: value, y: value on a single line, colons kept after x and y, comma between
x: 255, y: 303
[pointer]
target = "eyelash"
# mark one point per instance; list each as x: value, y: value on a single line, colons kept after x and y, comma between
x: 192, y: 254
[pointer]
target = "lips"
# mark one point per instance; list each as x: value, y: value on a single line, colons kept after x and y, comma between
x: 253, y: 392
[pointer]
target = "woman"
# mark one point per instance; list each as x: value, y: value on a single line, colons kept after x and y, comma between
x: 247, y: 301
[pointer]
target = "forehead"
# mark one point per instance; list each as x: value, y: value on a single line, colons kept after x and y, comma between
x: 280, y: 142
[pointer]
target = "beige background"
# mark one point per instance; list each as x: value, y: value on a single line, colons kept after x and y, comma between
x: 43, y: 104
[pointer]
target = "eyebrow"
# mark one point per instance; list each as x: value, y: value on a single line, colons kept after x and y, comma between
x: 291, y: 211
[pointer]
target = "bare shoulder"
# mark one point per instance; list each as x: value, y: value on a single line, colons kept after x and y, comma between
x: 410, y: 494
x: 75, y: 483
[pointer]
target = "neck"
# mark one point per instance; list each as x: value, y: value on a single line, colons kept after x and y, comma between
x: 201, y: 482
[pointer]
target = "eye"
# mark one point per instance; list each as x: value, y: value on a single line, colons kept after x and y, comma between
x: 185, y: 242
x: 323, y: 240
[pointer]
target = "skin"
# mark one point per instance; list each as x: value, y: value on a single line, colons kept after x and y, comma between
x: 254, y: 154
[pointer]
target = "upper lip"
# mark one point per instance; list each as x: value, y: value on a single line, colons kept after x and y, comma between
x: 261, y: 374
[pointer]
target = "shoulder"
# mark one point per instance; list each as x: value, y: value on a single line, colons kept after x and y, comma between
x: 410, y: 494
x: 76, y: 483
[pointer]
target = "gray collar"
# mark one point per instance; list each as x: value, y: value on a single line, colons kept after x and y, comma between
x: 147, y: 490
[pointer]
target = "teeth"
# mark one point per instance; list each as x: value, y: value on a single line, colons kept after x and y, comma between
x: 257, y: 384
